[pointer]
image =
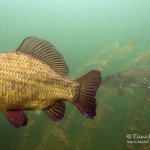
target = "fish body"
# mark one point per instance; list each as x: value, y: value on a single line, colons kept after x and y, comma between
x: 26, y: 83
x: 133, y: 77
x: 33, y: 77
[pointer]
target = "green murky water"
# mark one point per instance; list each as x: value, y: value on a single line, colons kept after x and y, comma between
x: 109, y: 35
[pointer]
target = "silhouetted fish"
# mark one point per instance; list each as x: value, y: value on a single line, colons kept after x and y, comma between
x: 133, y: 77
x: 32, y: 77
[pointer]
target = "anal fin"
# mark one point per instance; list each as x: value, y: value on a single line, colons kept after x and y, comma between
x: 16, y: 118
x: 56, y: 111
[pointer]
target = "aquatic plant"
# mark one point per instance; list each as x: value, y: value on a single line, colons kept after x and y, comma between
x: 140, y: 111
x: 105, y: 56
x: 141, y: 59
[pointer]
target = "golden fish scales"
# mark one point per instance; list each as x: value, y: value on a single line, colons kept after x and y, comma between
x: 29, y: 78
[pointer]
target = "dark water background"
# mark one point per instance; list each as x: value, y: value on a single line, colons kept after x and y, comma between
x: 91, y: 34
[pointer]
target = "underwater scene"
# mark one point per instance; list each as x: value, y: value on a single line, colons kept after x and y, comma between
x: 112, y: 36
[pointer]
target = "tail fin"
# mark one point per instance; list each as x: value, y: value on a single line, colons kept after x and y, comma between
x: 86, y: 102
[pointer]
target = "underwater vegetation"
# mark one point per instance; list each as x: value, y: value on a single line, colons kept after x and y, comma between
x: 116, y: 116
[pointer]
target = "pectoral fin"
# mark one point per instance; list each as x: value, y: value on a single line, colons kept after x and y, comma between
x: 56, y: 111
x: 16, y: 118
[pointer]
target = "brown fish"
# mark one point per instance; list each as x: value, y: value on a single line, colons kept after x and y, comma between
x: 33, y: 77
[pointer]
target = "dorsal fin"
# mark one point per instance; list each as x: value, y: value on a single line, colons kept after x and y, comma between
x: 44, y: 51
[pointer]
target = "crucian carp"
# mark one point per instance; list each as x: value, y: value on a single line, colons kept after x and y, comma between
x: 33, y: 77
